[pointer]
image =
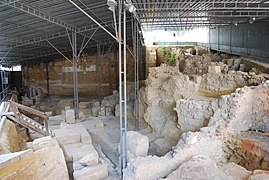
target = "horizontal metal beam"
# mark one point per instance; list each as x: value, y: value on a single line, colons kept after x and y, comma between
x: 42, y: 15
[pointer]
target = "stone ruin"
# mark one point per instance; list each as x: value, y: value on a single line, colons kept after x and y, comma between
x: 204, y: 117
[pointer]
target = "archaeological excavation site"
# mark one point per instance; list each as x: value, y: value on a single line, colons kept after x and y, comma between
x: 134, y: 90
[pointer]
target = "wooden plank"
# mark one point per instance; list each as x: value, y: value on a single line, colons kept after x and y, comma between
x: 29, y: 110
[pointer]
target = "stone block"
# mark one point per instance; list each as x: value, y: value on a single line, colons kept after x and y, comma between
x: 95, y: 111
x: 84, y: 105
x: 214, y: 69
x: 74, y: 152
x: 137, y: 144
x: 65, y: 136
x: 230, y: 62
x: 56, y: 120
x: 90, y: 159
x: 82, y: 116
x: 77, y: 166
x: 102, y: 111
x: 242, y: 67
x: 11, y: 158
x: 91, y: 172
x: 67, y: 108
x: 49, y: 113
x: 44, y: 142
x: 70, y: 116
x: 108, y: 110
x: 237, y: 61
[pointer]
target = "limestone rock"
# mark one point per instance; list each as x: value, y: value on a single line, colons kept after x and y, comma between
x: 70, y: 116
x: 90, y: 159
x: 91, y: 172
x: 65, y: 136
x: 137, y: 144
x: 199, y: 168
x: 56, y: 120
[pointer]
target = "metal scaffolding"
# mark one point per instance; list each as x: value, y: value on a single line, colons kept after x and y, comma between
x: 75, y: 73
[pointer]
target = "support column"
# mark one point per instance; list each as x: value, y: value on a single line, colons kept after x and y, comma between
x: 75, y: 74
x: 99, y: 72
x: 136, y: 50
x: 109, y: 70
x: 27, y: 81
x: 2, y: 85
x: 47, y: 78
x: 122, y: 90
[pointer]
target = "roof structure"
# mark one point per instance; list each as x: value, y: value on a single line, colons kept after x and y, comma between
x: 32, y: 30
x: 185, y: 14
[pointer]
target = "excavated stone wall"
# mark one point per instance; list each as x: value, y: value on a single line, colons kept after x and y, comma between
x: 233, y: 114
x: 61, y: 75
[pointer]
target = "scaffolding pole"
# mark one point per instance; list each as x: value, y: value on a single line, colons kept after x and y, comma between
x: 27, y: 81
x: 122, y: 90
x: 109, y: 70
x: 47, y: 78
x: 75, y: 73
x: 135, y: 50
x: 99, y: 72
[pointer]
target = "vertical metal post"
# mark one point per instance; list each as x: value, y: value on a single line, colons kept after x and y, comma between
x: 47, y: 78
x: 99, y: 72
x: 135, y: 50
x: 27, y: 80
x: 125, y: 87
x: 122, y: 90
x: 2, y: 86
x: 218, y: 38
x: 75, y: 73
x: 137, y: 75
x: 109, y: 71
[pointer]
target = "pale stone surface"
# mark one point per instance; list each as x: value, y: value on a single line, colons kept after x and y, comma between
x: 82, y: 116
x: 91, y: 172
x: 11, y: 158
x: 70, y: 116
x: 77, y: 166
x: 137, y: 144
x: 46, y: 163
x: 90, y: 159
x: 234, y: 114
x: 199, y: 168
x: 194, y: 114
x: 214, y: 69
x: 65, y: 136
x: 44, y: 142
x: 56, y: 120
x: 259, y: 175
x: 235, y: 171
x: 74, y: 152
x: 161, y: 146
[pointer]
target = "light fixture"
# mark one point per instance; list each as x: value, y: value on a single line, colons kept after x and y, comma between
x: 111, y: 3
x: 236, y: 24
x: 251, y: 20
x: 129, y: 6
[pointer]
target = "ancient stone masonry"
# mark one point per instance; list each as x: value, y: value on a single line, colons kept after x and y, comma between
x: 232, y: 115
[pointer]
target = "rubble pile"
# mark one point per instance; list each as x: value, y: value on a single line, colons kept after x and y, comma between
x: 233, y: 114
